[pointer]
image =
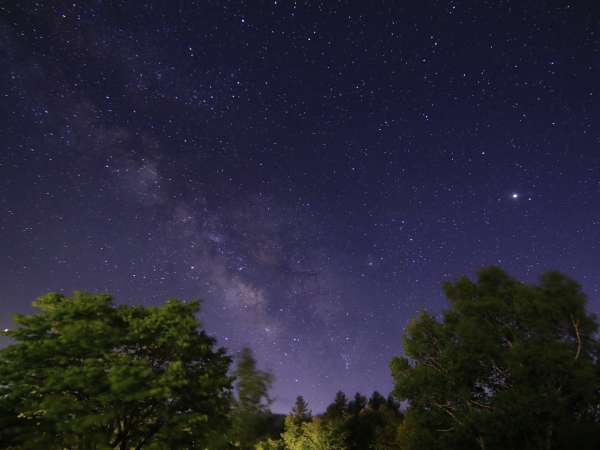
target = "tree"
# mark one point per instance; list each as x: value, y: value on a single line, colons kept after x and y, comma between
x: 293, y: 425
x: 300, y: 412
x: 251, y: 416
x: 509, y: 365
x: 252, y: 385
x: 84, y: 373
x: 338, y: 408
x: 387, y: 425
x: 371, y: 423
x: 12, y: 427
x: 357, y: 404
x: 313, y: 435
x: 364, y: 423
x: 270, y: 444
x: 376, y: 401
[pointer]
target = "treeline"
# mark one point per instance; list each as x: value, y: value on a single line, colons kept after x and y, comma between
x: 360, y: 423
x: 509, y: 365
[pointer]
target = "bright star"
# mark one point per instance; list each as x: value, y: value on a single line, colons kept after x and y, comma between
x: 515, y: 195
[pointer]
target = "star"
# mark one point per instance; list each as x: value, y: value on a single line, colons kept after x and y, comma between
x: 515, y: 195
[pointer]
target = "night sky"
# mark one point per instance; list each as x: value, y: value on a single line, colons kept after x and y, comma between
x: 312, y: 171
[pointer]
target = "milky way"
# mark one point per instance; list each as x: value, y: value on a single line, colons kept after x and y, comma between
x: 313, y: 172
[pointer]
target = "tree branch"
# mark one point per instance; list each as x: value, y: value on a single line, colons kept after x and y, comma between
x: 575, y: 324
x: 153, y: 430
x: 481, y: 405
x: 448, y: 410
x: 481, y: 442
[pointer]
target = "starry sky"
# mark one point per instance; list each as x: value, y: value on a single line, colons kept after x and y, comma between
x: 313, y: 171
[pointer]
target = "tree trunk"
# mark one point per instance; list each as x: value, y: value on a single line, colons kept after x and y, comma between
x: 549, y: 432
x: 481, y: 442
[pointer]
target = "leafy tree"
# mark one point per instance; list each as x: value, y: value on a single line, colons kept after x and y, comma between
x: 293, y: 435
x: 251, y: 416
x: 313, y: 435
x: 84, y: 373
x: 387, y: 425
x: 318, y: 435
x: 252, y: 385
x: 270, y: 444
x: 509, y: 365
x: 371, y: 423
x: 12, y: 427
x: 300, y: 414
x: 363, y: 423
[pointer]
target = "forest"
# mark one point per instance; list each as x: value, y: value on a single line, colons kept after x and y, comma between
x: 508, y: 365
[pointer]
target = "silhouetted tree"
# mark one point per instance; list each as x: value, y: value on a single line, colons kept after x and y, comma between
x: 365, y: 424
x: 387, y: 426
x: 357, y: 404
x: 376, y: 401
x: 338, y: 408
x: 374, y: 425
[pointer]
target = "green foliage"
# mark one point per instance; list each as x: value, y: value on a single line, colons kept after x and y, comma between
x: 251, y: 418
x: 304, y: 433
x: 509, y: 365
x: 365, y: 424
x: 83, y: 373
x: 252, y: 385
x: 270, y: 444
x: 371, y: 423
x: 312, y: 435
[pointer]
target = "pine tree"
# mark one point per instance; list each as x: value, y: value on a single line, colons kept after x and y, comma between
x: 338, y: 408
x: 300, y: 410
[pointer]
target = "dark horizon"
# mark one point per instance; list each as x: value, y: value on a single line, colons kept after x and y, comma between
x: 313, y: 173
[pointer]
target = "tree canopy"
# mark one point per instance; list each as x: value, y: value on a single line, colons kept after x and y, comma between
x: 355, y: 425
x: 509, y: 365
x: 84, y: 373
